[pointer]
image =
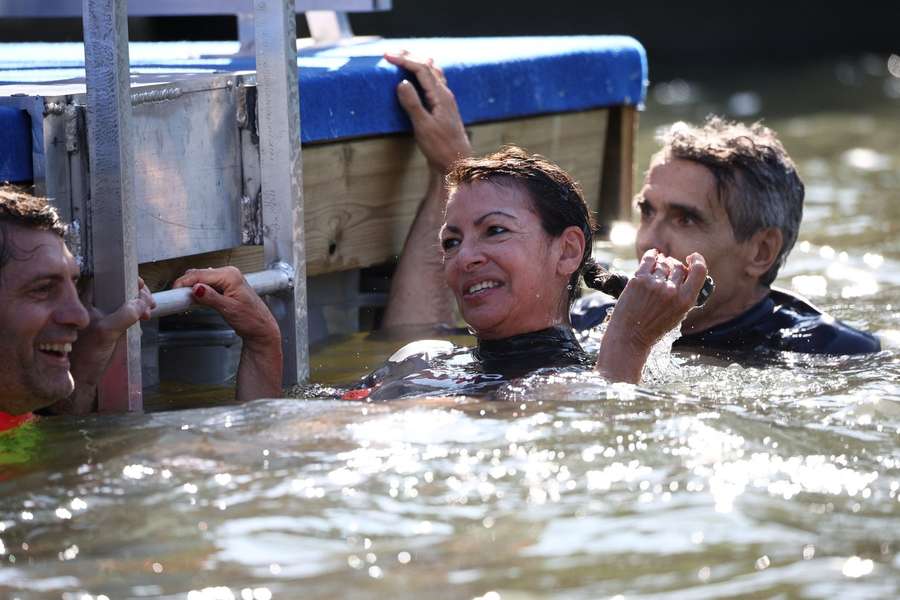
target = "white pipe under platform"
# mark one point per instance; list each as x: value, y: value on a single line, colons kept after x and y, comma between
x: 276, y: 279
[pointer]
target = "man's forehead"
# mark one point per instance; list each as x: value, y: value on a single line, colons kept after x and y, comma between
x: 37, y: 253
x: 682, y: 182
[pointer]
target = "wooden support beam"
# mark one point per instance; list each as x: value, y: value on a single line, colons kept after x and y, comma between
x: 617, y: 174
x: 362, y: 195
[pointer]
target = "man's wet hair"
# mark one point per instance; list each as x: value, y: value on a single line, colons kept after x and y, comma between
x: 20, y: 208
x: 556, y: 197
x: 756, y: 180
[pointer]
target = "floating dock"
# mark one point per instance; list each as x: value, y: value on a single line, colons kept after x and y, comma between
x: 173, y: 155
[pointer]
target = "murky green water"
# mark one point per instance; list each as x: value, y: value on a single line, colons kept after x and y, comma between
x: 714, y: 481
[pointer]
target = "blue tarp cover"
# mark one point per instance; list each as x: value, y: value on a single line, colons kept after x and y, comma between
x: 15, y: 145
x: 349, y: 91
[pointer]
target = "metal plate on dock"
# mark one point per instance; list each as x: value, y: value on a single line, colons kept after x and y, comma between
x: 187, y: 169
x: 188, y: 177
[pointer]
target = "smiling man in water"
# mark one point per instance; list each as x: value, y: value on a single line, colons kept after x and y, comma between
x: 731, y: 192
x: 54, y: 350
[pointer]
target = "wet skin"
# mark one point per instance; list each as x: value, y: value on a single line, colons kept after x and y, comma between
x: 493, y: 240
x: 681, y: 214
x: 40, y: 316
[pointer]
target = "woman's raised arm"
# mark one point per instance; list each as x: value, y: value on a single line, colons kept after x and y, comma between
x: 419, y: 295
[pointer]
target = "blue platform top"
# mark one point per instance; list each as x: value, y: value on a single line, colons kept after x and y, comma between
x: 349, y: 91
x: 15, y: 150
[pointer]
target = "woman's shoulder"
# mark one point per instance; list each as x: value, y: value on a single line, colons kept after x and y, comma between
x: 422, y: 366
x: 413, y: 357
x: 423, y: 349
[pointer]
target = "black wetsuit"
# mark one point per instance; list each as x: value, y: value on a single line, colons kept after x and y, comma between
x: 439, y: 367
x: 779, y: 322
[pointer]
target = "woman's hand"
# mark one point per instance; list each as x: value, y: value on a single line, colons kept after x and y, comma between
x: 655, y: 301
x: 225, y: 290
x: 437, y: 125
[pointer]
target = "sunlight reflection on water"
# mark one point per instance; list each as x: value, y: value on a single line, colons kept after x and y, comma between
x: 714, y: 480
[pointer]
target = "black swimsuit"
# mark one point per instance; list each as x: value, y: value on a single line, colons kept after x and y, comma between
x: 780, y: 322
x: 440, y: 368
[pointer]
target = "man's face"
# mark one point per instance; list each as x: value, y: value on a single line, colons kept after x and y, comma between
x: 40, y: 315
x: 681, y: 214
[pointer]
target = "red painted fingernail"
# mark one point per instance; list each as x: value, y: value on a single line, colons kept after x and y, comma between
x: 200, y: 291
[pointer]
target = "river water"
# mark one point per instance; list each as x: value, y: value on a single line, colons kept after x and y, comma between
x: 711, y: 481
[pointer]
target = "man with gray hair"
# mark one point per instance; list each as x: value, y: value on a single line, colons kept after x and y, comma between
x: 731, y: 192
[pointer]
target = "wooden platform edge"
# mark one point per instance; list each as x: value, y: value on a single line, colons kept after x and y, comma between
x: 361, y: 196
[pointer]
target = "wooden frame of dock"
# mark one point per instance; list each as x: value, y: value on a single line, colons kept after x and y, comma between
x: 362, y: 195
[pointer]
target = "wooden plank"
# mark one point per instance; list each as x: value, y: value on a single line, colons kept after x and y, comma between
x: 160, y: 275
x: 618, y: 166
x: 362, y: 195
x: 361, y: 198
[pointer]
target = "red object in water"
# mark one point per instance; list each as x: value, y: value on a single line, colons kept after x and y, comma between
x: 360, y: 394
x: 8, y: 421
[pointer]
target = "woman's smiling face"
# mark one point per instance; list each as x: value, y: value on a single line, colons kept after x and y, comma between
x: 500, y: 264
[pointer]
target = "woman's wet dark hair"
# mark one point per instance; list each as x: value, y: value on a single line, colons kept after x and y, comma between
x: 556, y: 197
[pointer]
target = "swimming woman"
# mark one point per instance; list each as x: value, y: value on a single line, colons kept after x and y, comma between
x: 514, y: 242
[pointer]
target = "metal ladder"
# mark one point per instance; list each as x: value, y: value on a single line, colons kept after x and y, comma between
x: 109, y: 113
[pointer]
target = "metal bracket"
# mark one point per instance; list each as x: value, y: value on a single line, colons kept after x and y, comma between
x: 72, y: 130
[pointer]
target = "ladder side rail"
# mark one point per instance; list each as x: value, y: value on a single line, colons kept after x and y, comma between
x: 112, y: 190
x: 278, y: 109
